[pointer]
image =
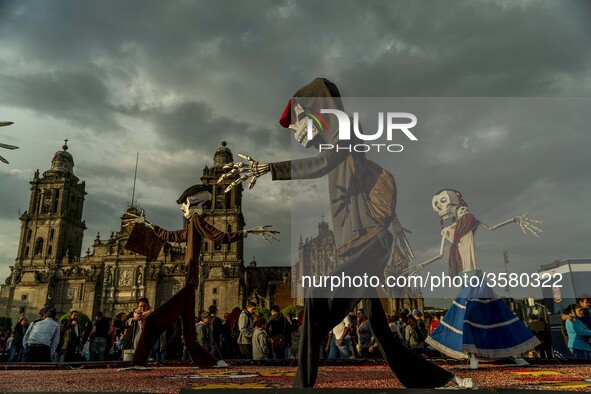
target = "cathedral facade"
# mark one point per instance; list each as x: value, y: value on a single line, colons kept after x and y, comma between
x: 49, y: 268
x: 317, y: 256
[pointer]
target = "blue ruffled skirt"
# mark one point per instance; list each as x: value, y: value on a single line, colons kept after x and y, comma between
x: 480, y: 322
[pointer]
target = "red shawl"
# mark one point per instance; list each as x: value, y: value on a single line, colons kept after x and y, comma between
x: 464, y: 225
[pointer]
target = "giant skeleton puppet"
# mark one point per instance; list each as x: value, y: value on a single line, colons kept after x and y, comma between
x: 363, y: 242
x: 194, y: 201
x: 479, y: 323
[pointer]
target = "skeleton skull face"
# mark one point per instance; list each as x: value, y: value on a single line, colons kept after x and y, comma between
x: 196, y: 203
x: 462, y: 211
x: 445, y: 203
x: 304, y: 129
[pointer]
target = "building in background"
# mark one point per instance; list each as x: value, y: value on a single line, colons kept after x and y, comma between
x: 49, y: 267
x: 268, y: 286
x: 317, y: 256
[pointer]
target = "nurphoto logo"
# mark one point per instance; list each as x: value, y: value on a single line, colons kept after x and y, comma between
x: 395, y: 122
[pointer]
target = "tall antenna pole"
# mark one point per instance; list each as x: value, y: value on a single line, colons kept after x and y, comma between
x: 134, y: 178
x: 506, y: 258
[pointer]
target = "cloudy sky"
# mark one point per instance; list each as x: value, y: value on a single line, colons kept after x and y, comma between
x: 171, y: 80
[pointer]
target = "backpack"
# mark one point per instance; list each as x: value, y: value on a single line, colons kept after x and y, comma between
x: 421, y: 332
x: 379, y: 186
x: 235, y: 330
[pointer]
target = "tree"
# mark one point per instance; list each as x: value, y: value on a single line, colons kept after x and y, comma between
x: 263, y: 312
x: 295, y: 309
x: 82, y: 318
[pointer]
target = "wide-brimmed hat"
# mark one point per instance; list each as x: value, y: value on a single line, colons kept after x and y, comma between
x: 193, y: 190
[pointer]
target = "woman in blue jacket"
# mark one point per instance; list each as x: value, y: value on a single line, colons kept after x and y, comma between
x: 578, y: 336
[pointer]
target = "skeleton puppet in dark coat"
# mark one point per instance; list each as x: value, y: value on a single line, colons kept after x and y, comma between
x: 363, y: 241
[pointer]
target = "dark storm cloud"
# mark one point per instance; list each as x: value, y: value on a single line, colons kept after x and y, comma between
x: 14, y: 195
x: 476, y: 49
x: 191, y: 125
x: 258, y: 51
x: 133, y: 44
x: 78, y: 97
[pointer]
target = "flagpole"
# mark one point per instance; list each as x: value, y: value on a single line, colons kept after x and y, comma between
x: 134, y: 177
x: 506, y: 258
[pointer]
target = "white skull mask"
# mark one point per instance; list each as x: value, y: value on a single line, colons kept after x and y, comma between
x: 304, y: 129
x: 196, y: 203
x: 446, y: 203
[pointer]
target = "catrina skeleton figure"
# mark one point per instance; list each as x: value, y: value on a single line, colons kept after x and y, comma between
x: 479, y: 323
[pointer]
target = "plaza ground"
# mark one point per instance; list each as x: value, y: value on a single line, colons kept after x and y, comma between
x: 246, y: 376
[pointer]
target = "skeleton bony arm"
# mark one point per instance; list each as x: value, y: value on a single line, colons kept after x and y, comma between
x: 416, y: 269
x: 496, y: 226
x: 526, y: 224
x: 440, y: 255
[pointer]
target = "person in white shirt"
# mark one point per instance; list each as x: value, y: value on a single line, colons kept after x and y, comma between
x: 340, y: 340
x: 41, y: 339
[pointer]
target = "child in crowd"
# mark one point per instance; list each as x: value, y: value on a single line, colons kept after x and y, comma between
x: 260, y: 341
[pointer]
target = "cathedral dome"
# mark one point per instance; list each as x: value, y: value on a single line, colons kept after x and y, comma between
x: 62, y: 160
x: 222, y: 156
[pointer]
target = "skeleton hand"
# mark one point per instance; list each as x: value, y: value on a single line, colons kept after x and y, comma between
x: 527, y: 224
x: 141, y: 218
x: 263, y: 232
x: 399, y: 233
x: 253, y: 169
x: 413, y: 271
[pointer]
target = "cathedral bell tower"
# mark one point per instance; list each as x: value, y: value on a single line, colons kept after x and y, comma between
x: 222, y: 266
x: 51, y: 231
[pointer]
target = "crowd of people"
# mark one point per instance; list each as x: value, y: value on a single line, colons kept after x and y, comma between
x: 239, y: 334
x: 247, y: 334
x: 46, y: 340
x: 353, y: 337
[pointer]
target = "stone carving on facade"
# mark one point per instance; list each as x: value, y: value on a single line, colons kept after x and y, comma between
x: 93, y: 274
x: 109, y: 276
x: 15, y: 276
x: 153, y: 272
x: 140, y: 278
x: 74, y: 272
x: 205, y: 270
x: 41, y: 277
x: 174, y: 270
x: 125, y: 279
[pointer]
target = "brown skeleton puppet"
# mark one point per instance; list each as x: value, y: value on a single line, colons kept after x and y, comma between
x: 193, y: 202
x: 363, y: 241
x: 352, y: 221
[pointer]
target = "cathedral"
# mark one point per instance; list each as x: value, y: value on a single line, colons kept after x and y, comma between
x: 317, y: 256
x: 50, y: 270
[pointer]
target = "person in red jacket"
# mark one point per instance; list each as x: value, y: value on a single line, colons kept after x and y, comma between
x: 434, y: 323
